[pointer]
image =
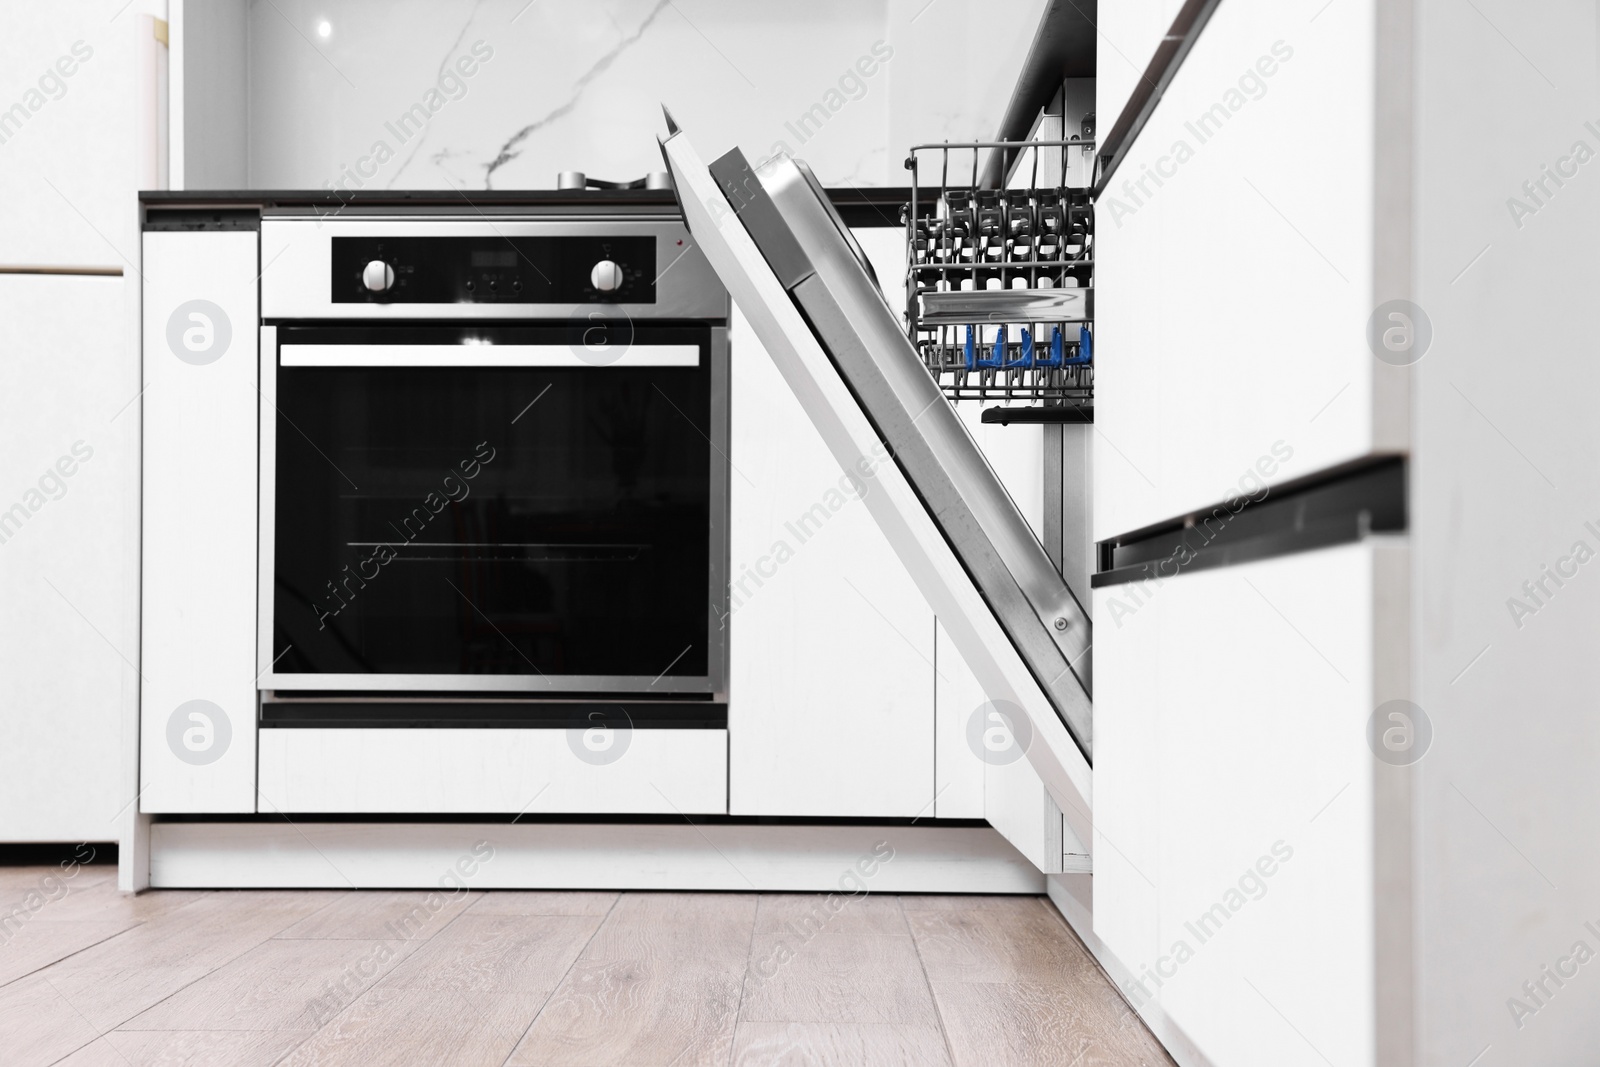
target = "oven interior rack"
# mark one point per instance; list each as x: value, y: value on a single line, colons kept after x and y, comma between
x: 1000, y: 282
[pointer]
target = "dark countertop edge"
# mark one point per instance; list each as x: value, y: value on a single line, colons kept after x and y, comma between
x: 863, y: 206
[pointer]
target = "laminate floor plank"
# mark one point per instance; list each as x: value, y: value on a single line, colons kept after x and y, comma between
x: 118, y: 978
x: 998, y: 945
x: 838, y: 1045
x: 542, y: 902
x: 391, y: 1026
x: 1033, y: 1024
x: 383, y: 915
x: 485, y: 954
x: 844, y: 977
x: 277, y: 985
x: 874, y: 915
x: 649, y: 1012
x: 676, y: 926
x: 209, y: 931
x: 910, y: 902
x: 40, y: 944
x: 28, y: 877
x: 77, y: 901
x: 186, y: 1048
x: 40, y: 1025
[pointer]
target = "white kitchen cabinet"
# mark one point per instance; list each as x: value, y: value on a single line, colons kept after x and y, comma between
x: 831, y: 691
x: 69, y: 637
x: 1236, y: 270
x: 201, y: 439
x: 1234, y: 800
x: 1129, y: 34
x: 1243, y: 246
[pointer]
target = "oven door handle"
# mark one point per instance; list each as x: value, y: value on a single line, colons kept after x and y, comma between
x: 489, y: 355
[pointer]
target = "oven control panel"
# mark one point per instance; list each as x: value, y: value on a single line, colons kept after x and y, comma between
x: 542, y: 269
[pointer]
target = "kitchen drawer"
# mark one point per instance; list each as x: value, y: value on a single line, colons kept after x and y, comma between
x: 489, y: 771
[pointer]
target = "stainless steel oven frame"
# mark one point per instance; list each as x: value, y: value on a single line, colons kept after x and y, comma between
x: 307, y: 298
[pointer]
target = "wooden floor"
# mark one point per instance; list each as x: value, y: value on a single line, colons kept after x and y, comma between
x: 89, y: 976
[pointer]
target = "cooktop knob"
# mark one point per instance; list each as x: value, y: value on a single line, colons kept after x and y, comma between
x: 377, y: 276
x: 606, y: 276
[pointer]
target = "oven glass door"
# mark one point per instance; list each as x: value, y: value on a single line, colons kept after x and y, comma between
x: 488, y: 508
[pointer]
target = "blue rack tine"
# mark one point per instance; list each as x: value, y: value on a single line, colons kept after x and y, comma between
x: 1054, y: 358
x: 1085, y: 352
x: 996, y: 356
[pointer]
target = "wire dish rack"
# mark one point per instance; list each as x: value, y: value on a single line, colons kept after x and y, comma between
x: 1000, y: 282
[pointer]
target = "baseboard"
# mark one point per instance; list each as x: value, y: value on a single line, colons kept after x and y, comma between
x: 1073, y: 896
x: 394, y: 855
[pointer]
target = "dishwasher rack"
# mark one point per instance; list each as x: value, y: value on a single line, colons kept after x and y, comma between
x: 1000, y: 282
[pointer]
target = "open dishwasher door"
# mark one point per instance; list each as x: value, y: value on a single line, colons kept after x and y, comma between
x: 796, y: 272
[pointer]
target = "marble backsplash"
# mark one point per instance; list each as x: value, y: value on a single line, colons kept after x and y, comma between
x: 474, y: 94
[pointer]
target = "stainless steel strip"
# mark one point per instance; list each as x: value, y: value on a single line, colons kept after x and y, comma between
x: 491, y: 683
x: 468, y: 356
x: 1008, y: 305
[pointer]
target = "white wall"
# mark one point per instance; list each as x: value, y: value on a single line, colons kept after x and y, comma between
x: 580, y: 86
x: 941, y: 94
x: 210, y: 145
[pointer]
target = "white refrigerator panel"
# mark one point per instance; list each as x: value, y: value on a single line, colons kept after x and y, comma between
x: 74, y: 132
x: 69, y: 643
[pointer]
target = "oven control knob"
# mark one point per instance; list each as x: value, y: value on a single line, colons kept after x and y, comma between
x: 606, y: 276
x: 377, y: 276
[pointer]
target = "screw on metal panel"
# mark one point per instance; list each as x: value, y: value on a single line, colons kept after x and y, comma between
x: 1061, y: 624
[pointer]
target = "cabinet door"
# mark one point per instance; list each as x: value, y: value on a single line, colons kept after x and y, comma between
x: 1234, y: 800
x: 1235, y: 271
x: 831, y: 646
x: 198, y: 698
x: 68, y: 557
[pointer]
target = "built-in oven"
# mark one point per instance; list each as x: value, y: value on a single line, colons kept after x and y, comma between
x: 495, y: 465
